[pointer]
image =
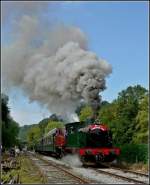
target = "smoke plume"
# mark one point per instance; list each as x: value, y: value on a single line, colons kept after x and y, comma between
x: 53, y: 66
x: 72, y: 160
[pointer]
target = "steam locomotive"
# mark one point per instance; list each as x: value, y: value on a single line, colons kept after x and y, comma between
x: 92, y: 142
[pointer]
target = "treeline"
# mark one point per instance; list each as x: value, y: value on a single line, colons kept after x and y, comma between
x: 127, y: 116
x: 10, y: 128
x: 31, y: 133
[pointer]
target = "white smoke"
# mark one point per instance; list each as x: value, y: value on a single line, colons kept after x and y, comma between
x: 53, y: 66
x: 72, y: 160
x: 74, y: 117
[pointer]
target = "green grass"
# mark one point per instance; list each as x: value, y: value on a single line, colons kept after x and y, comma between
x: 6, y: 176
x: 29, y: 173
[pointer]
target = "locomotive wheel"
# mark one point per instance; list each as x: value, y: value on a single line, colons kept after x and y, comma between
x: 60, y: 153
x: 101, y: 157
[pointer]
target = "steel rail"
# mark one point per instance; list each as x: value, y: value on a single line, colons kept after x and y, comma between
x: 79, y: 179
x: 120, y: 176
x: 126, y: 170
x: 130, y: 171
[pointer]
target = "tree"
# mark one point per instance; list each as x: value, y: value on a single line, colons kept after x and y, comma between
x: 121, y: 114
x: 10, y: 134
x: 23, y: 132
x: 42, y: 125
x: 141, y: 134
x: 53, y: 124
x: 10, y: 128
x: 108, y: 112
x: 5, y: 109
x: 128, y: 104
x: 33, y: 135
x: 135, y: 92
x: 85, y: 113
x: 104, y: 103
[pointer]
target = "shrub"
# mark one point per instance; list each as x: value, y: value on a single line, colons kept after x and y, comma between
x: 134, y: 153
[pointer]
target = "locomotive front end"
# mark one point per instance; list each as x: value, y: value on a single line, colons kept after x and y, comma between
x: 99, y: 145
x: 99, y: 154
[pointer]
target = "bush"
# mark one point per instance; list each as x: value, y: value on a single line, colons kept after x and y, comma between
x: 134, y: 153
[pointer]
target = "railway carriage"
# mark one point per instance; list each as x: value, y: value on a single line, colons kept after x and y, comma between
x: 46, y: 143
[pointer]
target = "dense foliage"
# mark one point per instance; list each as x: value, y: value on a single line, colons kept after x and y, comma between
x: 123, y: 116
x: 10, y: 128
x: 85, y: 113
x: 134, y: 153
x: 127, y: 116
x: 53, y: 124
x: 23, y: 132
x: 142, y: 121
x: 32, y: 133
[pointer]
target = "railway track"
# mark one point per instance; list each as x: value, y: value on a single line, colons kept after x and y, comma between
x: 61, y: 174
x: 55, y: 173
x: 130, y: 171
x: 124, y: 169
x: 127, y: 175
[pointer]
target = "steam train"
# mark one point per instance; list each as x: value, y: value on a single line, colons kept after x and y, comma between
x: 92, y: 142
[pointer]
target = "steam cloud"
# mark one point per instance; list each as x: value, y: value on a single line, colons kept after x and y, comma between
x: 53, y: 66
x: 72, y: 160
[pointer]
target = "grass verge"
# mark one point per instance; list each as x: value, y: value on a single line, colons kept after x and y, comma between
x: 26, y: 172
x: 29, y: 173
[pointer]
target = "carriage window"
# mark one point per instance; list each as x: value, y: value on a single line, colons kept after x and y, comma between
x: 49, y: 139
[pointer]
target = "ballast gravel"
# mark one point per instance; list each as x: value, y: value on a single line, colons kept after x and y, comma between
x: 89, y: 173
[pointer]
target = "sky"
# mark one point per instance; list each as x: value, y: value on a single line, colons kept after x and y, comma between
x: 116, y: 31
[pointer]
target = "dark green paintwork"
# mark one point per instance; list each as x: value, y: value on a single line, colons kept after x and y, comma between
x: 77, y: 139
x: 48, y: 148
x: 74, y: 138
